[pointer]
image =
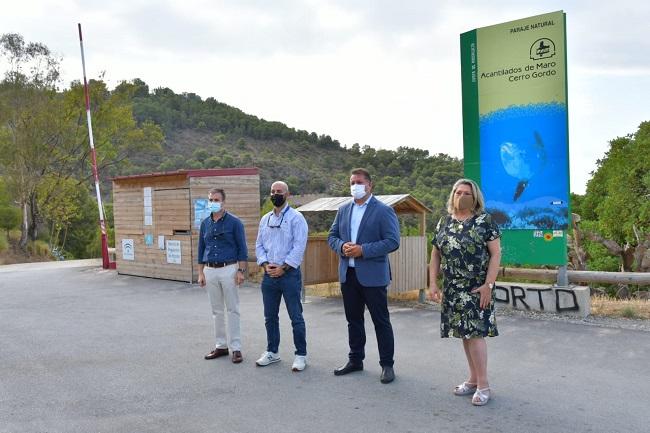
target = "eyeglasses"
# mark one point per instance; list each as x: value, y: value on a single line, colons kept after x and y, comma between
x: 268, y: 222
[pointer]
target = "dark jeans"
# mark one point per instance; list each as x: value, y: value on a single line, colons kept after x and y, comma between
x: 273, y: 289
x: 355, y: 298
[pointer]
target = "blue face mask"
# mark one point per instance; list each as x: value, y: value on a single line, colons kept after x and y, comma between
x: 214, y: 206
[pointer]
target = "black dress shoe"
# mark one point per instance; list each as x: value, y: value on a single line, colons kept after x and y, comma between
x: 349, y: 367
x: 387, y: 375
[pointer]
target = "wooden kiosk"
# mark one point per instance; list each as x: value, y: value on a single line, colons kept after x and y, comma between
x: 408, y: 264
x: 158, y: 215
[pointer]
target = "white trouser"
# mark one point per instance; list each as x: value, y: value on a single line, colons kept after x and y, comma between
x: 221, y: 288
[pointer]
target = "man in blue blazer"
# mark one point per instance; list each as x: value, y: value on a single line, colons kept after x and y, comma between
x: 363, y: 233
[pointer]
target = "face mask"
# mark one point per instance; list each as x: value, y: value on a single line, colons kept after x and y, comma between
x: 277, y: 200
x: 465, y: 202
x: 214, y: 206
x: 357, y: 191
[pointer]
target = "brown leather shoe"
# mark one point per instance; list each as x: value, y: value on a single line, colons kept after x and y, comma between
x: 236, y: 357
x: 216, y: 353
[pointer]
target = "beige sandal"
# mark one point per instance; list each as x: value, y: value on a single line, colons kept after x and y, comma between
x: 481, y: 397
x: 465, y: 388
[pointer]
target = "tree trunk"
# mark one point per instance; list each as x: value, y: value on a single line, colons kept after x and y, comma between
x: 627, y: 256
x: 625, y: 252
x: 33, y: 224
x: 577, y: 254
x: 24, y: 227
x: 642, y: 252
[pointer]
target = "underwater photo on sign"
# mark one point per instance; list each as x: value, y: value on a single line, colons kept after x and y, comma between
x: 524, y: 170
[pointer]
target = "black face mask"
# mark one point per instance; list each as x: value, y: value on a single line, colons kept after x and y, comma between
x: 277, y: 200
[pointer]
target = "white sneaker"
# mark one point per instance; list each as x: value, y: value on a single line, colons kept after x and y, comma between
x: 267, y: 358
x: 299, y: 363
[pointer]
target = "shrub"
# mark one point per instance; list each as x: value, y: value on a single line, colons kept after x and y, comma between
x: 4, y: 242
x: 10, y: 217
x: 629, y: 312
x: 194, y: 164
x: 201, y: 154
x: 14, y: 235
x: 212, y: 162
x: 38, y: 248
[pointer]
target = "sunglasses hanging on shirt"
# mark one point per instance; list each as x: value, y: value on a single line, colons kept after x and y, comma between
x: 268, y: 222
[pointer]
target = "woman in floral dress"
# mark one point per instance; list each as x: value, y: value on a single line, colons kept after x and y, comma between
x: 466, y: 247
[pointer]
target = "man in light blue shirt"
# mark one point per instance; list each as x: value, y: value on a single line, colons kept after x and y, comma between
x: 280, y: 247
x: 355, y: 221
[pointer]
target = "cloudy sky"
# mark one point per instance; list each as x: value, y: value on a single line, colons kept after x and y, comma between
x: 383, y: 73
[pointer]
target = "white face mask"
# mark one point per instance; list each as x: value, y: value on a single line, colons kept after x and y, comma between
x: 214, y: 206
x: 358, y: 191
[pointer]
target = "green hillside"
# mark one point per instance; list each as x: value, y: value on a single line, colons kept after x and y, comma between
x: 47, y: 204
x: 210, y: 134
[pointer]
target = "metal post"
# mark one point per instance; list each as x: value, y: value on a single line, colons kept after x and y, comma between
x: 562, y: 277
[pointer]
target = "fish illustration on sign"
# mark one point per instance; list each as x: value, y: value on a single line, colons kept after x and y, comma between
x: 523, y: 161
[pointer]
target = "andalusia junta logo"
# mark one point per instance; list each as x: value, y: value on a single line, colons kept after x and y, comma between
x: 542, y: 49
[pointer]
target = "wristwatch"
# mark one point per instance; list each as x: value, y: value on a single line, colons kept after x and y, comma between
x: 491, y: 286
x: 243, y: 271
x: 286, y: 267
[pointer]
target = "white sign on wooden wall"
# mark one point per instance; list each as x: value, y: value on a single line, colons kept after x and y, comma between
x: 174, y: 252
x: 148, y: 209
x: 128, y: 249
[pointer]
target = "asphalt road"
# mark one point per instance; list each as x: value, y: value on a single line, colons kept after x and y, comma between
x: 86, y: 350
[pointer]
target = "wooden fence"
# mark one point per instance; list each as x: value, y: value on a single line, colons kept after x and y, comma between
x: 640, y: 278
x: 320, y: 264
x: 408, y: 264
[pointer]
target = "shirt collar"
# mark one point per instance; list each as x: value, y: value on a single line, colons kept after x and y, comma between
x: 282, y: 211
x: 220, y: 219
x: 365, y: 203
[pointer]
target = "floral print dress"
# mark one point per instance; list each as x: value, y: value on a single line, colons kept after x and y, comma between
x: 464, y: 262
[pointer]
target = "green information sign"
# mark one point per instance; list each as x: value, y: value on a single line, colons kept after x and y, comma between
x: 515, y: 132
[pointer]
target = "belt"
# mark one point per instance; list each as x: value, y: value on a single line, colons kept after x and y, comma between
x: 219, y: 264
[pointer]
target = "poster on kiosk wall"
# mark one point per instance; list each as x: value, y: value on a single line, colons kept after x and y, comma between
x: 515, y: 130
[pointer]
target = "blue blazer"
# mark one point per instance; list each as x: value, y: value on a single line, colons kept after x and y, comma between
x: 378, y: 235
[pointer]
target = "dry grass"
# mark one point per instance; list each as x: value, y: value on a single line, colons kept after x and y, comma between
x: 628, y: 308
x: 411, y: 295
x: 255, y: 274
x: 10, y: 253
x: 333, y: 290
x: 4, y: 242
x: 600, y: 305
x: 327, y: 290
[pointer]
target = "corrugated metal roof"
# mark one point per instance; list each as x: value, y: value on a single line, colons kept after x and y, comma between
x: 334, y: 203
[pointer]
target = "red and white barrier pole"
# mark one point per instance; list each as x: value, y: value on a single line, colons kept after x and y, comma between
x: 106, y: 264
